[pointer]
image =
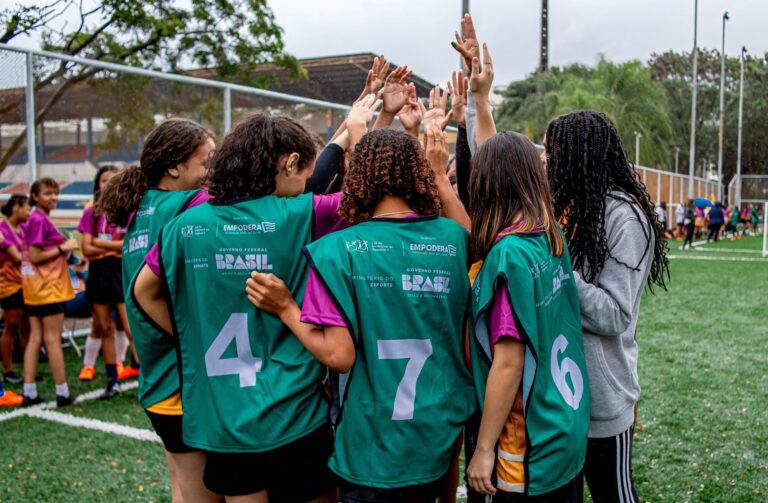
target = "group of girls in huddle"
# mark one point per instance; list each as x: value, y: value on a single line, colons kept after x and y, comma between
x: 311, y: 347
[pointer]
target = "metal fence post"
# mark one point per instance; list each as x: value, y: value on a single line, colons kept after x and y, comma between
x: 30, y: 118
x: 227, y: 109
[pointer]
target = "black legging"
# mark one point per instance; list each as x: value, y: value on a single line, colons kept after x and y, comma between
x: 689, y: 230
x: 714, y: 232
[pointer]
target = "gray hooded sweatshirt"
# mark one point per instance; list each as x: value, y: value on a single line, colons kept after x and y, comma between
x: 610, y: 306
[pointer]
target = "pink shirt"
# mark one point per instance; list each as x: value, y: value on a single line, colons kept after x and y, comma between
x: 99, y: 227
x: 40, y: 231
x: 325, y: 208
x: 11, y: 237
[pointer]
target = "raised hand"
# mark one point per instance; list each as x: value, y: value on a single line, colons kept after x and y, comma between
x: 466, y: 44
x: 436, y: 148
x: 481, y: 80
x: 436, y: 113
x: 376, y: 75
x: 395, y: 91
x: 362, y: 111
x: 457, y: 88
x: 412, y: 112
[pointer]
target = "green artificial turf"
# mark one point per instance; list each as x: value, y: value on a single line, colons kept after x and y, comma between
x: 701, y: 433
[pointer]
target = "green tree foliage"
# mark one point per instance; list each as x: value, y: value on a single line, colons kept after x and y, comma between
x: 624, y: 92
x: 231, y: 36
x: 653, y: 99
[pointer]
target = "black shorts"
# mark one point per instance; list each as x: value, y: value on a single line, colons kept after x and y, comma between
x: 296, y: 472
x: 353, y: 493
x: 13, y: 301
x: 46, y: 309
x: 105, y: 281
x: 168, y: 428
x: 572, y: 492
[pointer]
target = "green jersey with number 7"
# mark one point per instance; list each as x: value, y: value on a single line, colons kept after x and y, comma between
x: 248, y: 385
x: 401, y: 286
x: 554, y: 384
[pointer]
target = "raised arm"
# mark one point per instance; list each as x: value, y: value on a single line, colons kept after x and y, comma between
x: 395, y: 95
x: 437, y: 155
x: 359, y: 117
x: 480, y: 84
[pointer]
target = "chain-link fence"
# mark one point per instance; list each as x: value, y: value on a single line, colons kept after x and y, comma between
x: 89, y: 113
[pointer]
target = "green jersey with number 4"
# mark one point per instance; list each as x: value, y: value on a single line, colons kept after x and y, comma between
x: 543, y: 294
x: 159, y: 377
x: 402, y: 287
x: 248, y: 385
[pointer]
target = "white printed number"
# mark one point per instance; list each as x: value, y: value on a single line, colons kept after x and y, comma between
x: 245, y: 364
x: 416, y: 351
x: 561, y: 369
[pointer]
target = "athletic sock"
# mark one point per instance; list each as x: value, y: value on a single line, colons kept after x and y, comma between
x: 62, y: 390
x: 111, y: 370
x: 92, y: 347
x: 121, y: 345
x: 30, y: 390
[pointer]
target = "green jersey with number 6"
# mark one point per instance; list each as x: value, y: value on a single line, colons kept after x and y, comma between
x: 159, y: 377
x: 248, y: 385
x: 543, y: 294
x: 402, y: 287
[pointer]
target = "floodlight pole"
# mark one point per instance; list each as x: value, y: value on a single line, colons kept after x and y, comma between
x: 692, y: 153
x: 227, y: 109
x: 722, y: 116
x: 30, y: 118
x: 637, y: 148
x: 741, y: 118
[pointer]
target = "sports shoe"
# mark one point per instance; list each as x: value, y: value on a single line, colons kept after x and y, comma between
x: 128, y: 372
x: 112, y: 390
x: 12, y: 377
x: 29, y: 402
x: 87, y: 374
x: 63, y: 401
x: 11, y: 399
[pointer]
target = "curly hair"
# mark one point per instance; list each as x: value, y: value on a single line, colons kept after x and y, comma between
x: 247, y: 161
x: 171, y: 143
x: 508, y: 182
x: 585, y: 162
x: 388, y: 162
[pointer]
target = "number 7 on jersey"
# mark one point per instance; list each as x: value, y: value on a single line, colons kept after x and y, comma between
x: 416, y: 351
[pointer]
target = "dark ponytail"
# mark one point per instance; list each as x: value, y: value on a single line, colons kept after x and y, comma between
x: 171, y: 143
x: 13, y: 201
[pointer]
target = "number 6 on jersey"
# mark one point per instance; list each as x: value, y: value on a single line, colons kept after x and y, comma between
x: 416, y: 351
x: 245, y: 364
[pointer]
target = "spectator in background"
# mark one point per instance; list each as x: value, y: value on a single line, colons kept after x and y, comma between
x: 679, y: 218
x: 689, y: 223
x: 700, y: 221
x: 716, y: 220
x: 661, y: 212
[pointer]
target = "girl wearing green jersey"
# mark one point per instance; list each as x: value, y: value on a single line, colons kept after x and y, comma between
x: 386, y: 305
x: 143, y: 198
x: 252, y: 395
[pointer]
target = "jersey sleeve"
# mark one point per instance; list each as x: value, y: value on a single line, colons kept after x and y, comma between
x: 318, y: 307
x: 34, y: 232
x: 86, y: 223
x: 326, y: 209
x: 501, y: 319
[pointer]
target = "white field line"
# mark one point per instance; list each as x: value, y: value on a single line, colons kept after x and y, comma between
x: 721, y: 259
x: 43, y: 411
x: 727, y: 250
x: 95, y: 424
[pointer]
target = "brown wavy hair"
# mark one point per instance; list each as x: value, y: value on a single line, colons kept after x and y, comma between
x: 172, y: 142
x: 388, y: 162
x: 508, y: 184
x: 247, y: 161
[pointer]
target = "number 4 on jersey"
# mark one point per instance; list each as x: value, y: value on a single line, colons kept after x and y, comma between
x: 245, y: 364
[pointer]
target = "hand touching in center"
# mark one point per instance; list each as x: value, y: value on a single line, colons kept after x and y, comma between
x: 395, y: 91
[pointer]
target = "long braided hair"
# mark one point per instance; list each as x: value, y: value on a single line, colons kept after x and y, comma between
x: 585, y: 162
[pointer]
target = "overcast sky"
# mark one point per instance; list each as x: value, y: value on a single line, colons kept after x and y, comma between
x: 419, y: 32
